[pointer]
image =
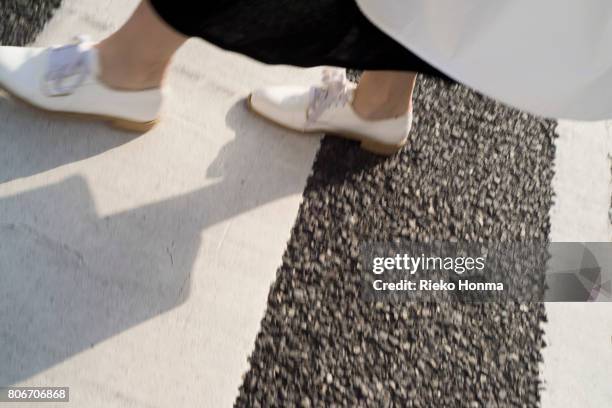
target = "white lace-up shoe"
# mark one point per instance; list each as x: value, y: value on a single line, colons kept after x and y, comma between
x: 328, y: 108
x: 65, y: 80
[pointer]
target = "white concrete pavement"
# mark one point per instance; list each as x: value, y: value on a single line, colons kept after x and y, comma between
x: 577, y: 367
x: 135, y: 270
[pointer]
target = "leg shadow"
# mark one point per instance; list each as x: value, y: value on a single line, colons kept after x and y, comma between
x: 71, y: 277
x: 33, y: 142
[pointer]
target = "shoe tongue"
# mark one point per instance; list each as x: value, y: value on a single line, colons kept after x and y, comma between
x: 70, y: 65
x: 81, y: 51
x: 89, y: 53
x: 94, y: 60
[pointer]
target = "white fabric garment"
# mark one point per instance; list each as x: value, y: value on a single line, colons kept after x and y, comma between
x: 549, y: 57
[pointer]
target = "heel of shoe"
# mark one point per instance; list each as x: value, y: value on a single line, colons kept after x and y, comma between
x: 132, y: 126
x: 381, y: 148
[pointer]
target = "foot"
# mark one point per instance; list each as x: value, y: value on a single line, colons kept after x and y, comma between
x: 66, y: 80
x: 328, y: 108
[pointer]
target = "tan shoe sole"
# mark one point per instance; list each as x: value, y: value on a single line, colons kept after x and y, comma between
x: 119, y: 123
x: 366, y: 143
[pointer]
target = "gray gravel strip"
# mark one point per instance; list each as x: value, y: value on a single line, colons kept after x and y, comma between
x: 22, y: 20
x: 474, y: 170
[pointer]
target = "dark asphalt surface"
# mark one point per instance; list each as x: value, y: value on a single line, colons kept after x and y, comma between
x: 22, y: 20
x: 473, y: 171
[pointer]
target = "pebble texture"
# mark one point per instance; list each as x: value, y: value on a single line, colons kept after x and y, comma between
x: 474, y: 170
x: 22, y: 20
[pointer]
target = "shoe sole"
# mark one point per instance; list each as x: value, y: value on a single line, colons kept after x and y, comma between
x: 118, y: 123
x: 365, y: 142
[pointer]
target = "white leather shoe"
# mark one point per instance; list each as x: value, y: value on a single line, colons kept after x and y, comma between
x: 328, y: 108
x: 65, y: 79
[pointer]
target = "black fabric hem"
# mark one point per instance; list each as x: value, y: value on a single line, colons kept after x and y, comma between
x: 281, y: 32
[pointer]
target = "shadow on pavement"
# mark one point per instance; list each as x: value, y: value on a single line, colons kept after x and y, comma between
x: 71, y: 278
x: 33, y: 142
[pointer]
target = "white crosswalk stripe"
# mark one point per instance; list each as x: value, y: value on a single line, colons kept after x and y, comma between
x: 578, y: 358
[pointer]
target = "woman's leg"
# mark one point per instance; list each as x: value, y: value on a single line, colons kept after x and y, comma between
x: 137, y: 55
x: 384, y: 94
x: 136, y: 58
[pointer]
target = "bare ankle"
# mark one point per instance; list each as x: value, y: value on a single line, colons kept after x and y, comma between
x: 136, y: 56
x: 384, y: 94
x: 372, y: 111
x: 130, y: 80
x: 127, y: 71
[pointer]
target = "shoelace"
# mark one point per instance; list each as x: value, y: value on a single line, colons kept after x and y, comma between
x: 72, y: 61
x: 335, y: 91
